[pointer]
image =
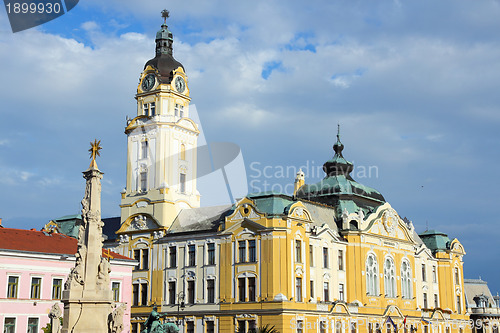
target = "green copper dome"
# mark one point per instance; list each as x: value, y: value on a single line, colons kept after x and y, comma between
x: 339, y: 189
x: 435, y: 240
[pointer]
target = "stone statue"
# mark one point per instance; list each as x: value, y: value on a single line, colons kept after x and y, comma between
x: 54, y: 315
x: 116, y: 319
x: 103, y: 273
x: 154, y: 325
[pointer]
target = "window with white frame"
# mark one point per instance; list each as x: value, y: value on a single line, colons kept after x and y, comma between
x: 191, y: 255
x: 36, y: 286
x: 143, y: 181
x: 372, y: 275
x: 326, y: 291
x: 311, y: 255
x: 182, y: 182
x: 171, y: 293
x: 145, y: 108
x: 341, y: 291
x: 325, y: 257
x: 298, y: 289
x: 389, y: 278
x: 56, y: 288
x: 211, y: 254
x: 12, y: 286
x: 9, y: 325
x: 406, y: 280
x: 32, y: 325
x: 153, y: 108
x: 298, y: 251
x: 172, y: 253
x: 115, y: 288
x: 211, y: 291
x: 252, y: 251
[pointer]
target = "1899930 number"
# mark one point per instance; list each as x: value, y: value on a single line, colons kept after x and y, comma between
x: 40, y: 8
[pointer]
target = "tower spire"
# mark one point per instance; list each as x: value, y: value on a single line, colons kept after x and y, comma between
x: 164, y: 38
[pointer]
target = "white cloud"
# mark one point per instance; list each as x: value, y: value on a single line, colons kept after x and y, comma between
x: 90, y: 26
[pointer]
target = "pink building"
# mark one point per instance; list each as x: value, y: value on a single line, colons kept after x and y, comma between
x: 33, y: 268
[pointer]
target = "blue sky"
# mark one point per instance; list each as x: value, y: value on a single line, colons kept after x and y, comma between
x: 414, y: 85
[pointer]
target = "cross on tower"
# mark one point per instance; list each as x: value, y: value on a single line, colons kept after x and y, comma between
x: 165, y: 13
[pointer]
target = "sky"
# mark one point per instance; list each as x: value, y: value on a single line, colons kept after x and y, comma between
x: 413, y: 85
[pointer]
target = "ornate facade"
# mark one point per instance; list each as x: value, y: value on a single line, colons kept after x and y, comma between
x: 332, y: 257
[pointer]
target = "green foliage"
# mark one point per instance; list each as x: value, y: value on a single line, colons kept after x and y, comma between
x: 48, y: 328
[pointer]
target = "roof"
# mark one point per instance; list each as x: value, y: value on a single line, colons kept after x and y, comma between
x: 435, y: 240
x: 70, y: 226
x: 199, y: 219
x: 475, y: 288
x: 43, y: 242
x: 271, y: 203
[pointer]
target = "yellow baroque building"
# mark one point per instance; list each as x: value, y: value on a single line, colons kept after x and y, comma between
x: 332, y: 257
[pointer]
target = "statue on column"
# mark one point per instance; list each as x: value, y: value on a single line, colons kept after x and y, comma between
x: 54, y: 315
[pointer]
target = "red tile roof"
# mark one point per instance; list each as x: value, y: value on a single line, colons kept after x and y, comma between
x: 43, y: 242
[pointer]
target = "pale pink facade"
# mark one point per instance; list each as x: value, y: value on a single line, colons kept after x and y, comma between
x: 52, y: 269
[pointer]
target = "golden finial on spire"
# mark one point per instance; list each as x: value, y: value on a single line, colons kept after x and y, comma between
x: 94, y: 152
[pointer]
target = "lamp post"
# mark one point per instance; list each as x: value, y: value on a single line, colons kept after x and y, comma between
x: 180, y: 305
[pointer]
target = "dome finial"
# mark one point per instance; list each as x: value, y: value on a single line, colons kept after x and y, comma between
x: 165, y: 14
x: 338, y: 146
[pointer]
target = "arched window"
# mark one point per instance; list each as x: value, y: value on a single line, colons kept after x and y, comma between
x: 406, y: 283
x: 371, y: 275
x: 183, y: 152
x: 389, y: 278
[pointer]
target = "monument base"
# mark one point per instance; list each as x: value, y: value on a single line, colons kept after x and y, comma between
x: 86, y: 316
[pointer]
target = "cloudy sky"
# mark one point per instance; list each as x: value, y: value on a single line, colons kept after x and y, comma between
x: 414, y: 85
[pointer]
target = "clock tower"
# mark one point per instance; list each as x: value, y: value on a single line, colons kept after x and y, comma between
x: 161, y: 142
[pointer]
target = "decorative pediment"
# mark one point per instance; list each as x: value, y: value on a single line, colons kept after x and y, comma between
x: 386, y: 222
x: 457, y: 247
x: 299, y: 211
x: 139, y: 222
x: 394, y: 311
x: 188, y: 124
x: 245, y: 209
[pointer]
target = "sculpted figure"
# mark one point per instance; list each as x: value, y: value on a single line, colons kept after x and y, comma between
x: 116, y: 319
x: 54, y: 315
x: 103, y: 273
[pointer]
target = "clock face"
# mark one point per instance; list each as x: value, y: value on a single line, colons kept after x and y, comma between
x: 148, y: 82
x: 180, y: 85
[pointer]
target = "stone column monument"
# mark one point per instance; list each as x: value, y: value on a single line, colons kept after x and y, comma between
x: 87, y: 296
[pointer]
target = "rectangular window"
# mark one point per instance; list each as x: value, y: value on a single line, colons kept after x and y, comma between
x: 300, y: 326
x: 211, y: 254
x: 252, y: 325
x: 115, y: 287
x: 425, y: 301
x: 298, y: 251
x: 353, y: 327
x: 144, y: 149
x: 182, y: 182
x: 322, y: 326
x: 176, y: 110
x: 145, y: 259
x: 12, y: 287
x: 424, y: 278
x: 210, y: 327
x: 370, y: 327
x: 242, y: 251
x: 191, y: 255
x: 211, y: 291
x: 326, y: 292
x: 36, y: 283
x: 56, y: 288
x: 434, y: 274
x: 298, y: 289
x: 459, y: 305
x: 325, y: 257
x: 181, y: 113
x: 135, y: 294
x: 338, y: 327
x: 311, y: 255
x: 252, y: 252
x: 173, y: 256
x: 241, y: 326
x: 153, y: 108
x: 32, y: 325
x: 191, y: 292
x: 145, y: 108
x: 9, y: 325
x: 436, y: 303
x: 241, y: 289
x: 457, y: 276
x: 144, y: 294
x: 171, y: 293
x: 341, y: 260
x: 251, y: 289
x: 144, y: 181
x: 311, y: 288
x: 190, y: 327
x: 341, y: 292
